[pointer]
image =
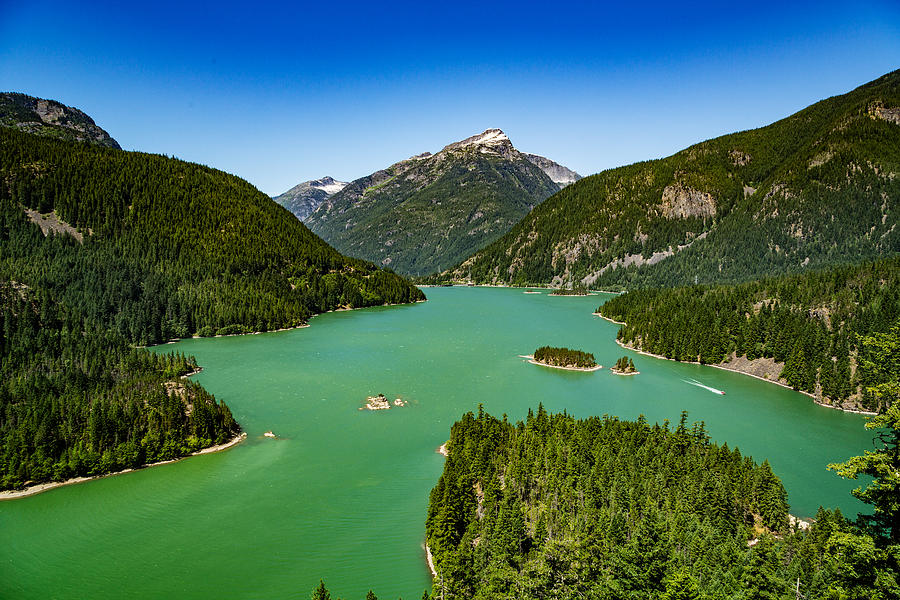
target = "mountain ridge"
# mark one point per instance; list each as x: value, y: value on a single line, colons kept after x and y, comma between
x: 430, y: 210
x: 814, y: 189
x: 304, y: 198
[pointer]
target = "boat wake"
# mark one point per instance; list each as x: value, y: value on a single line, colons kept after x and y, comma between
x: 705, y: 387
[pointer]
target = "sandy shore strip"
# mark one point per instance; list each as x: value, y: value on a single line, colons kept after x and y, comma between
x: 573, y: 295
x: 733, y: 370
x: 43, y: 487
x: 430, y: 560
x: 442, y: 449
x: 614, y: 372
x: 608, y: 319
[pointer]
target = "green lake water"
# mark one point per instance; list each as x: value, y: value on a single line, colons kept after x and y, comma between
x: 342, y: 494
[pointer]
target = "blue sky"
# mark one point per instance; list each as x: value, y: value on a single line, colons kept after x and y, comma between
x: 279, y: 94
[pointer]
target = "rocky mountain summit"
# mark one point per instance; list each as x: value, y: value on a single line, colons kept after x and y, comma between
x: 50, y: 118
x: 432, y: 210
x: 304, y: 198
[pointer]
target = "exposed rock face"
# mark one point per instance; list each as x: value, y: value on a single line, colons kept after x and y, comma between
x: 680, y: 202
x: 740, y: 158
x: 560, y: 175
x: 304, y: 198
x: 432, y: 210
x: 491, y: 141
x: 51, y: 119
x: 891, y: 115
x: 51, y: 223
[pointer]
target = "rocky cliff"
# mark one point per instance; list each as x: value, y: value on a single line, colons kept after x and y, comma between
x: 50, y: 118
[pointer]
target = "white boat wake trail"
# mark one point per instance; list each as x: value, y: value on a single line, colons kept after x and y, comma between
x: 705, y: 387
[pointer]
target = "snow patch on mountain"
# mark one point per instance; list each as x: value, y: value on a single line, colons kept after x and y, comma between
x: 328, y: 185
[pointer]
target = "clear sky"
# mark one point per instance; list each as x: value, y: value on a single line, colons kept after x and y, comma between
x: 282, y: 93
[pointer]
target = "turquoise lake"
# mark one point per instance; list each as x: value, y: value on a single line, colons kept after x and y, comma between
x: 341, y: 495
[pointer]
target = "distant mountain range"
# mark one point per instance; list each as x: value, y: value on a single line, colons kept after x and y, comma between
x: 433, y: 210
x: 818, y: 188
x: 304, y: 198
x: 50, y: 118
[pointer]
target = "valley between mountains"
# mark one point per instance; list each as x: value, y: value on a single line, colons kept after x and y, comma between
x: 772, y: 251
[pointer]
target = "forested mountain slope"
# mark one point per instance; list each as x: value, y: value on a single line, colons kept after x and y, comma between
x: 818, y: 188
x: 102, y: 250
x: 166, y: 248
x: 430, y: 211
x: 802, y: 330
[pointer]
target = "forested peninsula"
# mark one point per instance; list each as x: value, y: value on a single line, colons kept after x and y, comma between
x: 557, y: 507
x: 802, y: 330
x: 102, y: 251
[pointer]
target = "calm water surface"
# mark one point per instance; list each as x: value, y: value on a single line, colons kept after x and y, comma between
x: 342, y: 494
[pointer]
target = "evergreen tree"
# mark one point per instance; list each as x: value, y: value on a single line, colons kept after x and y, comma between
x: 321, y: 592
x: 681, y: 586
x: 759, y: 579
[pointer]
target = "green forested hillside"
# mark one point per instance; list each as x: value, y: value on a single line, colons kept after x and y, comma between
x: 816, y: 189
x: 600, y: 508
x: 429, y: 212
x: 811, y: 323
x: 139, y: 249
x: 169, y: 247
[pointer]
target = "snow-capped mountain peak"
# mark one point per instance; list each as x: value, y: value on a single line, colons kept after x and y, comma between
x: 328, y: 185
x: 489, y: 140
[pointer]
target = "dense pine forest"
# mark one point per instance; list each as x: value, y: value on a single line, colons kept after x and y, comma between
x: 809, y: 324
x: 564, y: 357
x: 816, y: 189
x: 103, y: 250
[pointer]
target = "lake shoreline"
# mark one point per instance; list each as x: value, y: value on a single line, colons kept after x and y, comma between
x: 39, y: 488
x: 724, y: 367
x: 301, y: 326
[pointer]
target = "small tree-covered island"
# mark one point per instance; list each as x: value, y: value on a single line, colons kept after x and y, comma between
x: 624, y: 366
x: 576, y: 290
x: 564, y: 358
